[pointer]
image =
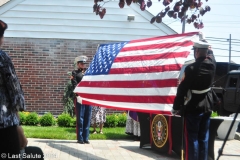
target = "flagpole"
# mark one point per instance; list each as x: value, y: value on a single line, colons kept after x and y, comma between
x: 183, y: 126
x: 184, y: 21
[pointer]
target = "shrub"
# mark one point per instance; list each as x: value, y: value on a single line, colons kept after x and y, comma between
x: 32, y: 119
x: 111, y: 120
x: 68, y: 99
x: 73, y: 122
x: 64, y: 120
x: 214, y: 114
x: 47, y: 119
x: 22, y: 117
x: 122, y: 118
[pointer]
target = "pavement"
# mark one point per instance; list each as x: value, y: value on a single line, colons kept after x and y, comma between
x: 117, y: 150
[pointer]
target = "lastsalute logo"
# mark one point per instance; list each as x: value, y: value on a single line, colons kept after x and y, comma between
x: 159, y: 130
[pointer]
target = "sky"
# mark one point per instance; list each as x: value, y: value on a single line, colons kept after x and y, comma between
x: 219, y: 23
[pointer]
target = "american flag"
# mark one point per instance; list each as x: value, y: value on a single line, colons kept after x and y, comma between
x: 138, y: 75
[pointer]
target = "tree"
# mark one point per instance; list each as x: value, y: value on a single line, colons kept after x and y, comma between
x: 174, y: 9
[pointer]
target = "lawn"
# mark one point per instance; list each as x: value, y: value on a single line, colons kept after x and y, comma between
x: 70, y: 133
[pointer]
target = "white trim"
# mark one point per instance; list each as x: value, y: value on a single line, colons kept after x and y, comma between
x: 9, y: 5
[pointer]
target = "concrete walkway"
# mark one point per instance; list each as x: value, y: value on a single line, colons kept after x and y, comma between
x: 116, y: 150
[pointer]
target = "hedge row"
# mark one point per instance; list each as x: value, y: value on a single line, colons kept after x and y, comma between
x: 65, y: 120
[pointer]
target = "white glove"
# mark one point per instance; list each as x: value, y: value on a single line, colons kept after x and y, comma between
x: 174, y: 112
x: 79, y: 99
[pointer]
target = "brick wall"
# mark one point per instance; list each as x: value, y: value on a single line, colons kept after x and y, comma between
x: 42, y: 66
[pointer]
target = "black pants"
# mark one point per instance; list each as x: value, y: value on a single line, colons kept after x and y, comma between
x: 34, y: 153
x: 9, y: 143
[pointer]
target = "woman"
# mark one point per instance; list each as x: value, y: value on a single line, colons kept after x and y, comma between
x: 12, y: 137
x: 83, y: 112
x: 133, y: 125
x: 98, y: 117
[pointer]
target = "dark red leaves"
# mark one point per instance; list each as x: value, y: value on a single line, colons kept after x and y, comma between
x: 121, y: 3
x: 143, y: 6
x: 158, y: 19
x: 153, y: 20
x: 175, y: 11
x: 128, y: 2
x: 149, y: 3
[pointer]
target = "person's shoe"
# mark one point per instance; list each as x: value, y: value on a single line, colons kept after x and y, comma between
x: 87, y: 142
x: 81, y: 142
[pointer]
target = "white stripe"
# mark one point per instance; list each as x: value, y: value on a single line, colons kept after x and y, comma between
x: 166, y: 91
x: 167, y: 40
x: 143, y: 106
x: 148, y: 63
x: 133, y: 77
x: 154, y: 51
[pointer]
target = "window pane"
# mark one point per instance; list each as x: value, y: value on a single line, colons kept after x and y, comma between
x: 233, y: 82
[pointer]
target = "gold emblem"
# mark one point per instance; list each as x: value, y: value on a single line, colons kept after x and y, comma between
x: 159, y: 130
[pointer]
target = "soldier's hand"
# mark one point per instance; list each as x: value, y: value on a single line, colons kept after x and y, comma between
x: 174, y: 112
x: 79, y: 99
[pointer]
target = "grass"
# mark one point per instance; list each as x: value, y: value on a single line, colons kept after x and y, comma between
x: 70, y: 133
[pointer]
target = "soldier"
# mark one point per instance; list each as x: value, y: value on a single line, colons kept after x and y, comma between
x: 197, y: 83
x: 83, y: 112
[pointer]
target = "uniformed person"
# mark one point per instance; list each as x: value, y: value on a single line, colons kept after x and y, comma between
x: 197, y: 83
x: 83, y: 112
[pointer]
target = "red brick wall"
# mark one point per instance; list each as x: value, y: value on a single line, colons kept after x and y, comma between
x: 42, y: 66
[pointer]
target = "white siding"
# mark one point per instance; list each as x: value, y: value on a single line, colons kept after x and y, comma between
x: 74, y: 19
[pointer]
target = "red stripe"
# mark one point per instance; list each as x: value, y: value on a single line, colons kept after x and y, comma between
x: 129, y: 98
x: 126, y: 108
x: 150, y: 128
x: 156, y: 56
x: 149, y: 69
x: 170, y: 134
x: 165, y: 37
x: 157, y: 46
x: 130, y: 84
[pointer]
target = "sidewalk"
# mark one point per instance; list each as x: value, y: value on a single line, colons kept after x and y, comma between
x: 115, y: 150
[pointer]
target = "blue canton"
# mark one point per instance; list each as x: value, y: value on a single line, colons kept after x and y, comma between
x: 104, y: 58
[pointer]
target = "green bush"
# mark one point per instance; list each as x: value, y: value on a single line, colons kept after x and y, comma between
x: 32, y: 119
x: 64, y: 120
x: 22, y: 117
x: 47, y: 120
x: 111, y: 120
x: 214, y: 114
x: 73, y: 122
x: 68, y: 99
x: 122, y: 118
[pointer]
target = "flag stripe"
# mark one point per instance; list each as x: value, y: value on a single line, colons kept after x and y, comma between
x: 155, y: 46
x: 151, y: 107
x: 175, y: 49
x: 157, y: 41
x: 150, y: 69
x: 128, y: 91
x: 190, y: 34
x: 148, y: 63
x: 131, y: 84
x: 138, y: 76
x: 152, y: 57
x: 133, y: 99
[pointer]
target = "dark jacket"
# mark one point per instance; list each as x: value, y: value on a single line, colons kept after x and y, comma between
x: 198, y: 76
x: 11, y: 94
x: 77, y: 77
